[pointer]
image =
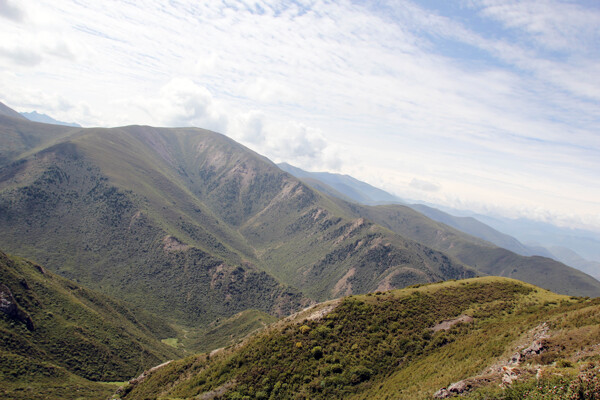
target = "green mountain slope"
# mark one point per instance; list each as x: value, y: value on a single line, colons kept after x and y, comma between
x: 468, y: 240
x: 58, y: 336
x: 199, y: 221
x: 60, y: 209
x: 405, y: 344
x: 19, y: 135
x: 482, y: 256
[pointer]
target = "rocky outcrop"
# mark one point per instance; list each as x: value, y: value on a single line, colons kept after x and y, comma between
x: 464, y: 386
x: 506, y: 372
x: 9, y: 307
x: 449, y: 323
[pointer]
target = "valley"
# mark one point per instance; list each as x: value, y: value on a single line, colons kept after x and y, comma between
x: 138, y: 245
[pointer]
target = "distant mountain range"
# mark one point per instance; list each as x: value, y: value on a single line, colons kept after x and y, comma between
x: 555, y: 241
x: 342, y: 186
x: 46, y: 119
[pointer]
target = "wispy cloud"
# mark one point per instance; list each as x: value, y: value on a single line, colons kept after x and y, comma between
x: 495, y: 101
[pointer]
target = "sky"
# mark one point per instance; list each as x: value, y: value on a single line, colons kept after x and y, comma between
x: 491, y: 106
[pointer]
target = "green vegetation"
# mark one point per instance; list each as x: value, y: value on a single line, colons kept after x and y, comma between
x: 205, y: 225
x: 482, y: 256
x: 382, y: 345
x: 222, y: 333
x: 58, y: 336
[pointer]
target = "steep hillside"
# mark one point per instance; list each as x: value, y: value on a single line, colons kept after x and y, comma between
x: 58, y: 336
x: 59, y: 209
x: 407, y: 344
x: 199, y: 221
x: 464, y: 238
x: 482, y: 256
x: 19, y: 135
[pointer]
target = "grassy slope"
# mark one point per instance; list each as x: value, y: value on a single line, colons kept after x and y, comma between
x: 225, y: 332
x: 20, y: 136
x: 60, y: 209
x: 482, y: 256
x: 64, y: 336
x: 381, y: 346
x: 233, y: 207
x: 296, y: 234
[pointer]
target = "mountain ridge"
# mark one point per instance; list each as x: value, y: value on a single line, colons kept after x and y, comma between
x: 409, y: 343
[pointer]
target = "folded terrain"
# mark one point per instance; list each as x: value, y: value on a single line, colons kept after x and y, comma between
x: 470, y: 251
x: 192, y: 225
x: 443, y: 339
x: 59, y: 339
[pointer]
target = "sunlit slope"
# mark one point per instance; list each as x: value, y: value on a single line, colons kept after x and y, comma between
x: 482, y: 256
x: 57, y: 336
x: 200, y: 222
x: 389, y: 345
x: 136, y: 234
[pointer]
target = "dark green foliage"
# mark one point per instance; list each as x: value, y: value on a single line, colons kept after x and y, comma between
x: 361, y: 341
x: 74, y: 330
x: 91, y: 232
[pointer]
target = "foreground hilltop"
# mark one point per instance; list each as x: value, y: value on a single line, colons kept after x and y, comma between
x: 411, y: 344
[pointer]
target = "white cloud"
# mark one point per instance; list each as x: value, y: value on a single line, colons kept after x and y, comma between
x: 379, y: 90
x: 424, y: 185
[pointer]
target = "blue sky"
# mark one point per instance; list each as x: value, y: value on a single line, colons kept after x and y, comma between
x: 488, y: 105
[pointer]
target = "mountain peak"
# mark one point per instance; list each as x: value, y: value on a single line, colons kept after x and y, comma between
x: 46, y: 119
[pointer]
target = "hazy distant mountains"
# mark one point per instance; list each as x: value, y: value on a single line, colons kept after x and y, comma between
x: 557, y: 242
x: 46, y: 119
x: 343, y: 186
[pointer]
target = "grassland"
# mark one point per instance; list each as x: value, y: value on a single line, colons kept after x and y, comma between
x: 382, y: 346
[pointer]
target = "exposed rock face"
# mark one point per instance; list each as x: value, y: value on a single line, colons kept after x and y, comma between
x: 9, y: 306
x: 506, y: 372
x: 537, y: 347
x: 449, y: 323
x: 464, y: 386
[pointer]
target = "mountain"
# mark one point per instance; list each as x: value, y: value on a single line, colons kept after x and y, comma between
x: 584, y: 242
x: 19, y: 135
x: 471, y: 242
x: 350, y: 189
x: 483, y: 256
x: 335, y: 184
x: 569, y: 257
x: 59, y: 338
x: 206, y: 226
x: 46, y: 119
x: 9, y: 112
x: 478, y: 229
x: 486, y: 336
